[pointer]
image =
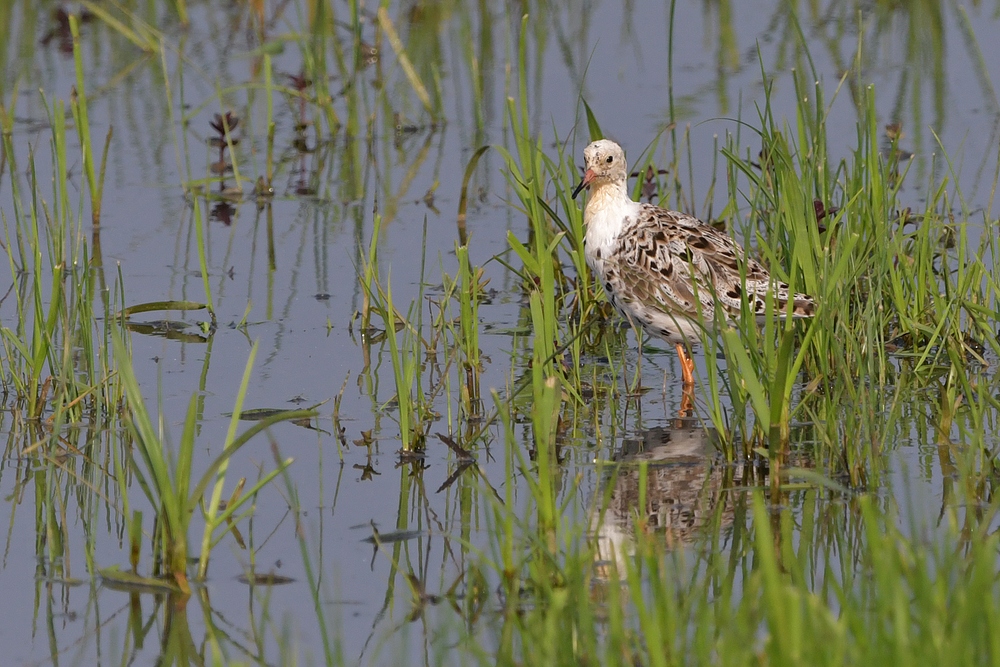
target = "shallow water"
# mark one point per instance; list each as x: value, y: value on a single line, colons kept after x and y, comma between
x: 291, y: 271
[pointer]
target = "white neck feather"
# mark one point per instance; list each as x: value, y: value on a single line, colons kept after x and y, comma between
x: 608, y: 208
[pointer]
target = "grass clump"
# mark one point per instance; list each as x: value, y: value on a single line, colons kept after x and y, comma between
x: 168, y: 480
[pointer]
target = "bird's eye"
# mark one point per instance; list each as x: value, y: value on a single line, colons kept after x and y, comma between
x: 610, y: 160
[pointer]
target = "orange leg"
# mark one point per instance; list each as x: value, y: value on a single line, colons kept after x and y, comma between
x: 687, y: 366
x: 687, y: 403
x: 687, y: 375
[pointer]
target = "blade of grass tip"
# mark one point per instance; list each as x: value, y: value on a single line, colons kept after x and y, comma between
x: 527, y: 258
x: 463, y: 201
x: 100, y: 178
x: 593, y: 127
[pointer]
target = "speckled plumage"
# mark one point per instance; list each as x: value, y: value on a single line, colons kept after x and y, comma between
x: 657, y: 265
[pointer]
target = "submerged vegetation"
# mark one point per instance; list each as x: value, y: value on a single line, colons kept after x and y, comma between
x: 577, y: 517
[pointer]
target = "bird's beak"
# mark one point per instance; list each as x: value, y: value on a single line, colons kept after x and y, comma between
x: 587, y: 178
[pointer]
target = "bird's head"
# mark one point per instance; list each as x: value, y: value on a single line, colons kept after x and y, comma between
x: 604, y: 161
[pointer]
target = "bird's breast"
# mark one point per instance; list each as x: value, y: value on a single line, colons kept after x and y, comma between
x: 601, y: 241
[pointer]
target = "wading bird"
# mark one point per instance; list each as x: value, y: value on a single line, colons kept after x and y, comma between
x: 667, y: 271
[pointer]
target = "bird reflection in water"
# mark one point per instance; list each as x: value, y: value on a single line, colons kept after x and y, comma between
x: 684, y: 488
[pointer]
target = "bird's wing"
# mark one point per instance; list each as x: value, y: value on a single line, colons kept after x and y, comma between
x: 671, y: 261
